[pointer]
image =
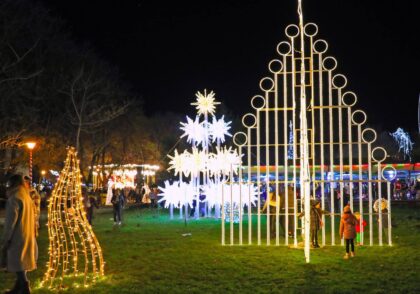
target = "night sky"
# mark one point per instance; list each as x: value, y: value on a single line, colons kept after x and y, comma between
x: 167, y: 50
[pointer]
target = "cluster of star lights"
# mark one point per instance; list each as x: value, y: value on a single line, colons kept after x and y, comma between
x: 213, y: 169
x: 73, y: 247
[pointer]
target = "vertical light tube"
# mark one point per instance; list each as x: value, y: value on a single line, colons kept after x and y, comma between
x: 360, y: 183
x: 349, y: 124
x: 285, y: 164
x: 294, y: 141
x: 370, y: 194
x: 240, y: 198
x: 331, y: 122
x: 223, y: 213
x: 388, y: 185
x: 181, y: 205
x: 232, y: 207
x: 304, y: 148
x: 267, y: 161
x: 258, y: 179
x: 321, y: 130
x: 340, y: 138
x: 380, y: 202
x: 312, y: 104
x: 249, y: 187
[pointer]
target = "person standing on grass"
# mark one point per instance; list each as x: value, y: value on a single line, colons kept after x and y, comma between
x: 90, y: 205
x: 360, y: 227
x: 316, y: 221
x: 117, y: 203
x: 19, y: 250
x: 348, y: 230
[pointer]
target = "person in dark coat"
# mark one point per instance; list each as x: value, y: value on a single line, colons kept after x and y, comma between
x: 316, y: 221
x: 348, y: 230
x: 117, y: 201
x: 90, y: 205
x: 19, y: 250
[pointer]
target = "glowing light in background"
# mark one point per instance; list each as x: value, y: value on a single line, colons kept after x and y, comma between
x: 405, y: 145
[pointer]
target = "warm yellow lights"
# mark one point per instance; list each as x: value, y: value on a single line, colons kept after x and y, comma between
x: 206, y: 103
x: 30, y: 145
x: 43, y: 172
x: 73, y: 248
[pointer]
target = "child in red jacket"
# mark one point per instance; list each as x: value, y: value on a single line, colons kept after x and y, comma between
x: 359, y: 228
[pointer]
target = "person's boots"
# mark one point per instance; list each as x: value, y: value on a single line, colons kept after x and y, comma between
x: 15, y: 290
x: 25, y: 288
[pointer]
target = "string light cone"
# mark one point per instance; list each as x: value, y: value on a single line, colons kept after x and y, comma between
x: 74, y: 249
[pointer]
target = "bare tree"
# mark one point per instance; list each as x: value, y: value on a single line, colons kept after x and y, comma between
x: 92, y: 102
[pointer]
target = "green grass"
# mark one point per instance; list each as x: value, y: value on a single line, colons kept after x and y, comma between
x: 149, y: 255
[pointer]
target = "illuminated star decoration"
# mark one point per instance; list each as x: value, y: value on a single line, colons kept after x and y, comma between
x: 195, y: 162
x: 206, y: 103
x: 228, y: 159
x: 405, y: 145
x: 218, y: 129
x: 177, y: 162
x: 194, y: 130
x: 176, y: 193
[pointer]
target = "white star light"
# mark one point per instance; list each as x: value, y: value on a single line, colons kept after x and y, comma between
x: 177, y: 194
x: 218, y: 129
x: 194, y: 130
x: 228, y: 159
x: 206, y: 103
x: 195, y: 162
x: 177, y: 162
x: 249, y: 192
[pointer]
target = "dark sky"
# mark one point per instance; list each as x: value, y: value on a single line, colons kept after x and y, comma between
x: 170, y: 49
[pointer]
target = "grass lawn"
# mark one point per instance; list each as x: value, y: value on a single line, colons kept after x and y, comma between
x: 149, y: 255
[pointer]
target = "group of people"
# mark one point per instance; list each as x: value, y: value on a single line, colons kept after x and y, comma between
x: 351, y: 225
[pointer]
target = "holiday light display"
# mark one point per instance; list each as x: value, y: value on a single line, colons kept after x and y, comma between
x: 194, y: 130
x: 327, y: 131
x: 73, y: 247
x: 405, y: 145
x: 218, y: 129
x: 208, y: 171
x: 206, y: 103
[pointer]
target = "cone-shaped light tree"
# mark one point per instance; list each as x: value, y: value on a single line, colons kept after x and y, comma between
x: 73, y: 249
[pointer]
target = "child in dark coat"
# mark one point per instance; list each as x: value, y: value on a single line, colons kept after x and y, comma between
x: 348, y: 230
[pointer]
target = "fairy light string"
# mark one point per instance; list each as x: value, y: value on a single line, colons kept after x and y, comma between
x: 73, y: 246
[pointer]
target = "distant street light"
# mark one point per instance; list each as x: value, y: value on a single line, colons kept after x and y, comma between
x: 41, y: 179
x: 31, y: 146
